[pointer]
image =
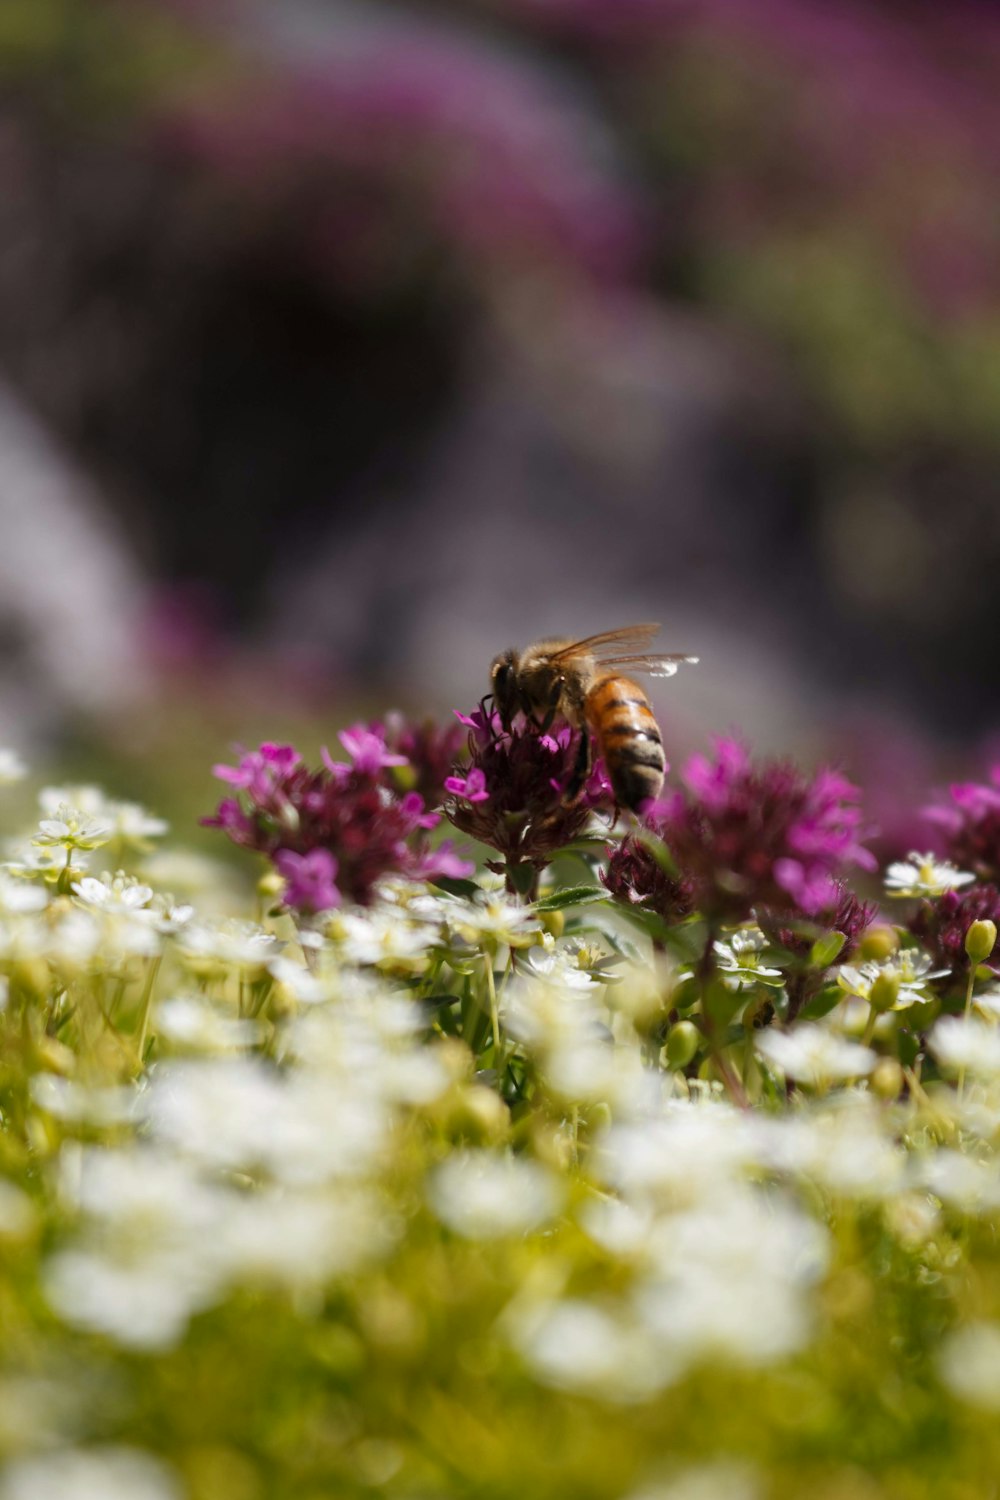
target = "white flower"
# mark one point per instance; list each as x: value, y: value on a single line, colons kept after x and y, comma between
x: 497, y: 918
x: 12, y: 767
x: 970, y: 1364
x: 210, y: 946
x: 382, y: 937
x: 192, y: 1023
x: 559, y: 966
x: 924, y: 875
x: 145, y: 1305
x: 238, y: 1114
x: 20, y: 895
x: 963, y: 1042
x: 600, y: 1351
x: 90, y: 1474
x: 66, y: 1099
x: 738, y: 958
x: 126, y: 821
x: 909, y: 966
x: 482, y: 1196
x: 119, y: 893
x: 70, y: 828
x: 814, y: 1055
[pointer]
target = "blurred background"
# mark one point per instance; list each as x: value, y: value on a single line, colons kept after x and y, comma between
x: 343, y: 344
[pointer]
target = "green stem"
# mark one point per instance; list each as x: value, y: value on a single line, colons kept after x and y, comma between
x: 145, y: 1004
x: 968, y: 1012
x: 494, y: 1009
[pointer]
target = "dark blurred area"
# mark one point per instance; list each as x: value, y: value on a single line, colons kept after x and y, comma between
x: 344, y: 344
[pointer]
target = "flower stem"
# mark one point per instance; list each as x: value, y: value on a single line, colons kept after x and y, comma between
x: 145, y: 1004
x: 968, y: 1011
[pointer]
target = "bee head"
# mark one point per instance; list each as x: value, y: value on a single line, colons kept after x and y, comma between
x: 503, y: 676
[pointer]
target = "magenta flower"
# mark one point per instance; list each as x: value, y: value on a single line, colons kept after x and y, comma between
x: 260, y: 771
x: 351, y: 814
x: 764, y: 835
x: 310, y: 879
x: 970, y: 825
x: 516, y: 795
x: 471, y: 788
x: 367, y: 749
x: 432, y: 753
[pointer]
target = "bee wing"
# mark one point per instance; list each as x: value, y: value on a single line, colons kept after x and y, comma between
x: 628, y: 637
x: 653, y: 666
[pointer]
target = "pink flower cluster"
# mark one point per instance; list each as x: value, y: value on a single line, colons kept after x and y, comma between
x: 514, y: 793
x: 970, y: 825
x: 332, y: 833
x: 745, y: 836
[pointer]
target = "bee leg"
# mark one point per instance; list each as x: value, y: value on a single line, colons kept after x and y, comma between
x: 581, y: 768
x: 555, y: 697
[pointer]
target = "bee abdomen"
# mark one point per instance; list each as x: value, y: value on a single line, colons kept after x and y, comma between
x: 629, y: 740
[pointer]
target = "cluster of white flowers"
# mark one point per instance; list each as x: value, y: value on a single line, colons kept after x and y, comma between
x: 304, y: 1106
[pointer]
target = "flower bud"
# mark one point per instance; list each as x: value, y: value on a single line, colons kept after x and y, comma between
x: 879, y: 942
x: 553, y: 922
x: 826, y: 949
x: 980, y: 940
x: 270, y: 886
x: 683, y: 1041
x: 884, y: 992
x: 887, y: 1078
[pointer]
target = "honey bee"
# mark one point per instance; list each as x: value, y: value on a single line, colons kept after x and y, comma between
x: 583, y: 682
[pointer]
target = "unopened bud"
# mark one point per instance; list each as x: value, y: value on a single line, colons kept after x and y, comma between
x: 553, y: 922
x: 884, y: 992
x: 826, y: 949
x: 980, y: 940
x: 683, y: 1041
x: 887, y: 1078
x: 270, y: 885
x: 878, y: 943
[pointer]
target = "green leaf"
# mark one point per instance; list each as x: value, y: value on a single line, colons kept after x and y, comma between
x: 575, y: 895
x: 826, y: 949
x: 455, y: 887
x: 660, y: 853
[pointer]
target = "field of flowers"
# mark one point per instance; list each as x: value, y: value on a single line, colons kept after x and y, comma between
x: 572, y: 1155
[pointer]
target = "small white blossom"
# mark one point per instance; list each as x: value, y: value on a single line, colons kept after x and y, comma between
x: 70, y: 828
x: 193, y: 1024
x: 126, y: 821
x: 910, y: 967
x: 496, y: 917
x: 967, y: 1043
x: 924, y: 875
x: 382, y: 937
x: 599, y: 1351
x: 815, y: 1055
x: 739, y: 960
x: 970, y: 1364
x: 482, y: 1196
x: 12, y: 767
x: 90, y: 1474
x: 18, y: 895
x: 209, y: 946
x: 119, y: 893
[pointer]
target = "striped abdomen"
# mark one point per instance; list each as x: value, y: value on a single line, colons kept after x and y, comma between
x: 628, y: 738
